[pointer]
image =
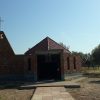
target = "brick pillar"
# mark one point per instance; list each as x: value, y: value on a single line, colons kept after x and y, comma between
x: 35, y: 68
x: 62, y: 65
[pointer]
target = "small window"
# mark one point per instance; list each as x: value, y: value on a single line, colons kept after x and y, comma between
x: 29, y: 64
x: 74, y: 63
x: 68, y: 63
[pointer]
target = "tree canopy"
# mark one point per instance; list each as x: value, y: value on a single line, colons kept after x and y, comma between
x: 95, y: 55
x: 88, y: 59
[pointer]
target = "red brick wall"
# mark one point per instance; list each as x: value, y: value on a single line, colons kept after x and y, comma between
x: 71, y: 63
x: 6, y: 55
x: 78, y: 62
x: 18, y: 65
x: 15, y: 65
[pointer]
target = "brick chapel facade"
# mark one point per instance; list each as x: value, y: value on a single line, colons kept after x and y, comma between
x: 46, y: 60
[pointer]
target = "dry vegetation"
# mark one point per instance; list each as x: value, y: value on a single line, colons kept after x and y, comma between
x: 91, y: 70
x: 90, y: 87
x: 90, y: 90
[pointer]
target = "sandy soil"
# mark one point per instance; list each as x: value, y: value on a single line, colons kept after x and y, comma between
x: 15, y: 94
x: 90, y: 90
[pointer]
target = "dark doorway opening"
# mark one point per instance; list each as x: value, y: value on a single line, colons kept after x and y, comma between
x: 29, y: 64
x: 48, y: 66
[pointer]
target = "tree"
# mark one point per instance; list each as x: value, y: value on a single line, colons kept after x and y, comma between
x: 89, y: 59
x: 95, y: 55
x: 86, y: 58
x: 63, y: 45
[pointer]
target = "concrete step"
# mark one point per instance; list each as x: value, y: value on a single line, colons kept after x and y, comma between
x: 52, y: 84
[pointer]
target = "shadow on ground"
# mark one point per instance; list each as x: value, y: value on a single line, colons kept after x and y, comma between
x: 92, y: 75
x: 18, y: 84
x: 96, y: 82
x: 11, y: 85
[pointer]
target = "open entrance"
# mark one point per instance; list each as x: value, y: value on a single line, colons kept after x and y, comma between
x: 48, y: 66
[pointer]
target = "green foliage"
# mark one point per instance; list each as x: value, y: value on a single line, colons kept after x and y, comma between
x: 89, y: 59
x: 95, y: 55
x: 86, y: 58
x: 63, y: 45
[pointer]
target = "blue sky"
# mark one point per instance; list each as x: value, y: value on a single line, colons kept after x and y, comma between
x: 76, y: 23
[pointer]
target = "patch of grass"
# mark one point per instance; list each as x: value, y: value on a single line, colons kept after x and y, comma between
x: 0, y: 98
x: 91, y: 69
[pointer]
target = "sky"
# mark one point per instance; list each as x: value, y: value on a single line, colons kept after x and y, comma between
x: 76, y: 23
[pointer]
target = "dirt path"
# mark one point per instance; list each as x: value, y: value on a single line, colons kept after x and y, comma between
x: 90, y: 90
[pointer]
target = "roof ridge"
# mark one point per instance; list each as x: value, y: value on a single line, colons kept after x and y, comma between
x: 47, y: 39
x: 57, y: 43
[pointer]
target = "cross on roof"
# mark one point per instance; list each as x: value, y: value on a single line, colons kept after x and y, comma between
x: 0, y: 23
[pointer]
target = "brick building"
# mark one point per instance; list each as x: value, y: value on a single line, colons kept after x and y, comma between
x: 46, y: 60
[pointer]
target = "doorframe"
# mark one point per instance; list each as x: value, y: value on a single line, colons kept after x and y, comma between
x: 60, y: 51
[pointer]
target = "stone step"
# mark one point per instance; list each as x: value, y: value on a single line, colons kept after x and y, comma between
x: 51, y: 93
x: 53, y: 84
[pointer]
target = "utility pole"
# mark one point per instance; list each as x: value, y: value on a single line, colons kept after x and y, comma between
x: 0, y: 23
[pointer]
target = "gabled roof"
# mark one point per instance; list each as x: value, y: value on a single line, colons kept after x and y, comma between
x: 46, y: 44
x: 5, y: 46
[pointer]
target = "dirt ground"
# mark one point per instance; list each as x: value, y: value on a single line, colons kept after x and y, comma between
x: 15, y: 94
x: 90, y: 90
